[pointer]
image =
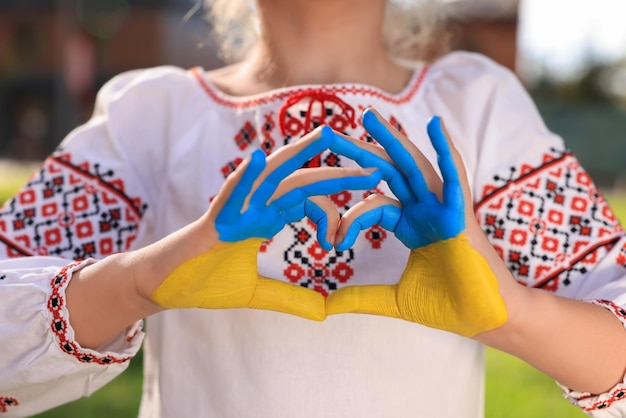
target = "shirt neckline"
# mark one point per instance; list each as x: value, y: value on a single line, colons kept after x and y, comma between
x: 241, y: 102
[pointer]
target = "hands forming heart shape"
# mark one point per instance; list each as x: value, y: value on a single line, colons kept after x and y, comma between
x: 446, y: 284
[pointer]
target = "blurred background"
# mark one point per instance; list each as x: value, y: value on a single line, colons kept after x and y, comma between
x: 54, y: 55
x: 571, y: 56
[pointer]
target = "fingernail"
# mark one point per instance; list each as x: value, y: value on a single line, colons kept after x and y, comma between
x: 435, y: 120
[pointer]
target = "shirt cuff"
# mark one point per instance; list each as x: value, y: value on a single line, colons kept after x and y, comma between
x: 120, y: 349
x: 612, y: 399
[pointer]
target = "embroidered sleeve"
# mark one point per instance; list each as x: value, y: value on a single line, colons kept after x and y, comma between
x: 70, y: 209
x: 549, y: 223
x: 88, y: 200
x: 41, y: 365
x: 538, y: 206
x: 613, y: 402
x: 546, y: 218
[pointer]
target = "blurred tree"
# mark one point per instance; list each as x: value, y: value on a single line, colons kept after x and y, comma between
x: 589, y: 113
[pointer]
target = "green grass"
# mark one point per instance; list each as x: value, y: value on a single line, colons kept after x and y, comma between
x: 517, y: 390
x: 119, y: 399
x: 514, y: 389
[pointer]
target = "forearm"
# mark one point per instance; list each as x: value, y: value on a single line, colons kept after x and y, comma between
x: 106, y: 297
x: 102, y: 300
x: 581, y: 345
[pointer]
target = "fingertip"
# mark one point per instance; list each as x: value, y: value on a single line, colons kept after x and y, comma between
x: 435, y: 128
x: 376, y: 175
x: 257, y: 158
x: 369, y: 116
x: 326, y: 133
x: 343, y: 242
x: 339, y: 237
x: 370, y: 112
x: 257, y: 154
x: 326, y: 245
x: 322, y: 239
x: 435, y: 119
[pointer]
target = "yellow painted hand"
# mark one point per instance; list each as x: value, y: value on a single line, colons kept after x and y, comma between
x: 445, y: 285
x: 226, y: 277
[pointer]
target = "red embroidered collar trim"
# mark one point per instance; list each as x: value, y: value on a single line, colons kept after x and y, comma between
x: 280, y: 94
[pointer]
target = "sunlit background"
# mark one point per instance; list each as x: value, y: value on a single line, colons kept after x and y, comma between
x: 561, y: 39
x: 570, y: 54
x: 54, y: 55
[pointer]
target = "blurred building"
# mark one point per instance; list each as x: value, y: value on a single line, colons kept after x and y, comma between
x: 486, y: 26
x: 54, y: 55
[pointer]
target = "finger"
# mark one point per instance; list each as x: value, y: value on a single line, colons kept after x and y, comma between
x: 287, y: 298
x: 368, y: 155
x: 322, y: 181
x: 402, y: 151
x: 370, y: 299
x: 321, y: 211
x: 237, y: 187
x: 452, y: 187
x: 376, y: 209
x: 288, y: 159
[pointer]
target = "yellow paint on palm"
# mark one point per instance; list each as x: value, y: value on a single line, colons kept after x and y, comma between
x: 449, y: 285
x: 226, y: 277
x: 446, y: 285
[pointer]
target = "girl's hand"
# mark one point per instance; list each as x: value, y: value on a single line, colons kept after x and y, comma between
x: 446, y: 284
x: 255, y: 203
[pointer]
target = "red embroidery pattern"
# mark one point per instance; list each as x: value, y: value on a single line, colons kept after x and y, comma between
x: 245, y: 136
x: 621, y: 256
x: 59, y: 324
x: 6, y: 402
x: 231, y: 166
x: 306, y: 110
x: 396, y: 124
x: 282, y: 94
x: 548, y: 223
x: 268, y: 143
x: 310, y: 266
x: 618, y: 311
x: 306, y: 263
x: 70, y: 210
x: 617, y: 394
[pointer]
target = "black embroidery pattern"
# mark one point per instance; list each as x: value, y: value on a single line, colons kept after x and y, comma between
x: 305, y: 262
x: 59, y: 324
x: 70, y: 210
x: 6, y: 402
x: 548, y: 223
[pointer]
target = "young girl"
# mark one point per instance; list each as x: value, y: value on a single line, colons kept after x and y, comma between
x: 139, y: 194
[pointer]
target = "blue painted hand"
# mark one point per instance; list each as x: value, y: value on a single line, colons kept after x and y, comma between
x: 256, y: 202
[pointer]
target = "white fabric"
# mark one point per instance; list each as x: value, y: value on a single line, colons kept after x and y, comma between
x: 168, y: 134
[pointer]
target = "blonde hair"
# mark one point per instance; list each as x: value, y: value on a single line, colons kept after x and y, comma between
x: 413, y: 29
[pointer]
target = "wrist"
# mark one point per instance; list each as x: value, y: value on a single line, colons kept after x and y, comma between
x: 151, y: 265
x: 517, y: 299
x: 102, y: 301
